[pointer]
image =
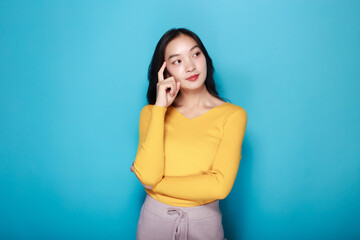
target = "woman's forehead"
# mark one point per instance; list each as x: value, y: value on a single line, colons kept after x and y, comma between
x: 180, y: 45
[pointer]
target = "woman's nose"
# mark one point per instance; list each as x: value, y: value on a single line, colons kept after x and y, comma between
x: 190, y: 66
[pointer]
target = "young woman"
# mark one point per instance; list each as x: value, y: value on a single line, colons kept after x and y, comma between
x: 189, y: 143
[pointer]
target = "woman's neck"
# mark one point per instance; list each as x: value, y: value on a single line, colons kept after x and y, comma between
x: 192, y: 99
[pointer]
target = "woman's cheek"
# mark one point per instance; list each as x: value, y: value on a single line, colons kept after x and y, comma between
x: 173, y: 71
x: 203, y: 61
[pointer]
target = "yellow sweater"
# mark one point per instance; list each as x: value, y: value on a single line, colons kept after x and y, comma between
x: 189, y: 161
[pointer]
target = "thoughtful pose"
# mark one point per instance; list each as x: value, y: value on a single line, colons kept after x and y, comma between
x: 190, y: 143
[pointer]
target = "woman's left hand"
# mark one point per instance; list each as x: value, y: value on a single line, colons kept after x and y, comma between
x: 146, y: 186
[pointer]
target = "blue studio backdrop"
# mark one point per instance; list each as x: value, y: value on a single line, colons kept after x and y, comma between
x: 73, y: 79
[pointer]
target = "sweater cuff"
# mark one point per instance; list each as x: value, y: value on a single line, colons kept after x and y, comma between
x: 158, y: 109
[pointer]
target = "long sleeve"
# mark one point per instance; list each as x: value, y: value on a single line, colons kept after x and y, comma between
x: 218, y: 182
x: 149, y: 161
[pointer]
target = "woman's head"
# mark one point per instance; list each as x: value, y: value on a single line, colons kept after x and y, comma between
x: 185, y: 55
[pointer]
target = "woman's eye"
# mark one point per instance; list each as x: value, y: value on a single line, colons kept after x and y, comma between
x: 197, y: 54
x: 176, y: 61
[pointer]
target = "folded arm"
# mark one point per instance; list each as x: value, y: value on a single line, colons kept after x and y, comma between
x: 218, y: 182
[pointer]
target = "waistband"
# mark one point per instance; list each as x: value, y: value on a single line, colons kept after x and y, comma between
x: 193, y: 213
x: 187, y: 213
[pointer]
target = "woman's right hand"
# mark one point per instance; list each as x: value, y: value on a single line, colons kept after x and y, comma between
x: 165, y: 98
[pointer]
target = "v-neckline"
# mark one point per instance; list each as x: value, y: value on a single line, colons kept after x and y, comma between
x: 206, y: 113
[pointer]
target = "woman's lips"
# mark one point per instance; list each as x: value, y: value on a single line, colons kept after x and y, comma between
x: 193, y: 77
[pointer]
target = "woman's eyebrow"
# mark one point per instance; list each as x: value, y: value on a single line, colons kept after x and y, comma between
x: 174, y: 55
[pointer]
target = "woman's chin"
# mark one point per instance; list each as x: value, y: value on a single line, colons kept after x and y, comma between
x: 192, y: 86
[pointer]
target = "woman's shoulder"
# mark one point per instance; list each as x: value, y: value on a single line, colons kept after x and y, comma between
x: 148, y: 108
x: 145, y: 110
x: 236, y: 115
x: 234, y: 108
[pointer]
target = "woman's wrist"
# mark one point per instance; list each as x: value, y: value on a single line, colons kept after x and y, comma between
x: 159, y: 105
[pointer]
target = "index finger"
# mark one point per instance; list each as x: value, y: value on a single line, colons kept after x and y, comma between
x: 161, y: 72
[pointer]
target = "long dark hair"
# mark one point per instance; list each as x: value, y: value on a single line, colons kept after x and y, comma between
x: 159, y: 58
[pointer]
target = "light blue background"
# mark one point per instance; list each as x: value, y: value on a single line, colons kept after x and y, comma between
x: 73, y: 82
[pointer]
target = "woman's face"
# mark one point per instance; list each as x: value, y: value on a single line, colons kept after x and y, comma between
x: 184, y: 59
